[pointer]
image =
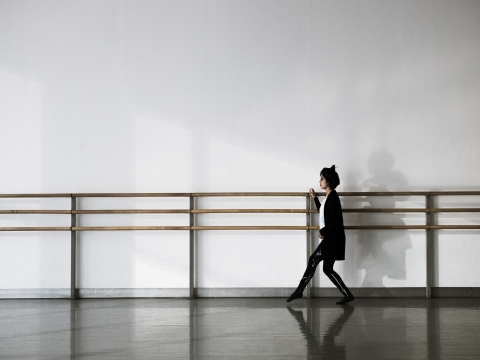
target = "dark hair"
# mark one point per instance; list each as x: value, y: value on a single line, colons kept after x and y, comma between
x: 331, y: 177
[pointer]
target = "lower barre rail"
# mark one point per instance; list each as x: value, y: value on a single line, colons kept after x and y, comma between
x: 268, y: 227
x: 274, y: 227
x: 125, y: 228
x: 36, y: 228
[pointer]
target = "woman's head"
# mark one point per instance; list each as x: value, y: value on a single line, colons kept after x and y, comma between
x: 329, y: 177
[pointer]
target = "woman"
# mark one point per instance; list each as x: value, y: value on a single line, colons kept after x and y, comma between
x: 332, y: 233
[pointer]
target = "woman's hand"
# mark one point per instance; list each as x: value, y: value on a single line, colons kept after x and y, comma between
x: 312, y: 193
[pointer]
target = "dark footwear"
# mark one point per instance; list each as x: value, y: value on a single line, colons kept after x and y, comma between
x: 295, y: 295
x: 346, y: 299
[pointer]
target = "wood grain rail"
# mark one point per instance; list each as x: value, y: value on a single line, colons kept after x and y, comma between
x: 35, y: 196
x: 454, y: 227
x: 212, y: 194
x: 36, y: 228
x: 193, y: 211
x: 114, y: 228
x: 82, y: 195
x: 236, y: 194
x: 411, y: 210
x: 259, y: 194
x: 133, y: 211
x: 236, y: 211
x: 446, y: 210
x: 123, y: 228
x: 35, y: 211
x: 273, y: 227
x: 406, y: 193
x: 278, y: 194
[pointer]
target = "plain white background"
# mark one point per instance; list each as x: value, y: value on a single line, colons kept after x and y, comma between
x: 180, y: 96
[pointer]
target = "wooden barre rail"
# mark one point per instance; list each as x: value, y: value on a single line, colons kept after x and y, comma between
x: 33, y: 196
x: 248, y: 211
x: 3, y: 212
x: 275, y: 227
x: 236, y: 194
x: 236, y: 211
x: 279, y: 194
x: 272, y: 227
x: 37, y: 228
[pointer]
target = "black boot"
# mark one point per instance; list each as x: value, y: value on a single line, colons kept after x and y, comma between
x: 295, y: 295
x: 337, y: 280
x: 346, y: 299
x: 313, y: 261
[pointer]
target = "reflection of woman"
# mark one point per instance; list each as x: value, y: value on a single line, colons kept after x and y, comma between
x: 328, y: 347
x: 332, y: 233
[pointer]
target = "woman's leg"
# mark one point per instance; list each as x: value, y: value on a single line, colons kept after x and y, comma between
x: 313, y: 261
x: 337, y: 280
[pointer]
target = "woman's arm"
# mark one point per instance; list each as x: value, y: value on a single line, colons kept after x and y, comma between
x: 314, y: 196
x: 336, y: 212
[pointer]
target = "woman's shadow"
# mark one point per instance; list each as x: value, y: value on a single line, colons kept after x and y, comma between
x: 328, y: 347
x: 382, y: 252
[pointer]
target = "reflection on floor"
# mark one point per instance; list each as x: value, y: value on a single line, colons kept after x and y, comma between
x: 369, y: 328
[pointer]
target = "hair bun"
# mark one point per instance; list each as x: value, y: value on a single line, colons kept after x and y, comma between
x: 333, y: 167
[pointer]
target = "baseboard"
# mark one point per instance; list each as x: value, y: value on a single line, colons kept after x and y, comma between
x: 315, y: 292
x: 93, y: 293
x: 34, y: 293
x: 133, y: 293
x: 407, y: 292
x: 372, y: 292
x: 446, y: 292
x: 243, y: 292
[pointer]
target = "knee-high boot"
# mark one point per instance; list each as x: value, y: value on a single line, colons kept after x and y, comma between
x: 313, y: 261
x: 337, y: 280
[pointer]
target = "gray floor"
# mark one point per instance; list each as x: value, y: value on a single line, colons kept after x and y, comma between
x: 371, y: 328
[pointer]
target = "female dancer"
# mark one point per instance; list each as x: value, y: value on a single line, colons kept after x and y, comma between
x: 332, y: 233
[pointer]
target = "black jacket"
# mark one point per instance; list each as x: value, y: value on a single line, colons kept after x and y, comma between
x: 333, y: 243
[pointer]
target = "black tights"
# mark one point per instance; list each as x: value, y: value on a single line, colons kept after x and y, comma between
x: 313, y: 261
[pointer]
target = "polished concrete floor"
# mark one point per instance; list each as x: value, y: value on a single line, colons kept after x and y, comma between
x: 264, y: 328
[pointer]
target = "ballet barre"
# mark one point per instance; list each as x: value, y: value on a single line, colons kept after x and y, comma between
x: 193, y: 212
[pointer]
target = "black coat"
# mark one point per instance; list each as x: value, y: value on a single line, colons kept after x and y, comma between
x: 333, y: 243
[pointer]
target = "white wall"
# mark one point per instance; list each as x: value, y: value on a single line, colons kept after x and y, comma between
x: 166, y: 96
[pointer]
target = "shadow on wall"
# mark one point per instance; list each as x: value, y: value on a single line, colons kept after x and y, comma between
x: 382, y: 252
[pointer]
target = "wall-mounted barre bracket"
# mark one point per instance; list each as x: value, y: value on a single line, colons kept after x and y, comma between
x: 73, y: 250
